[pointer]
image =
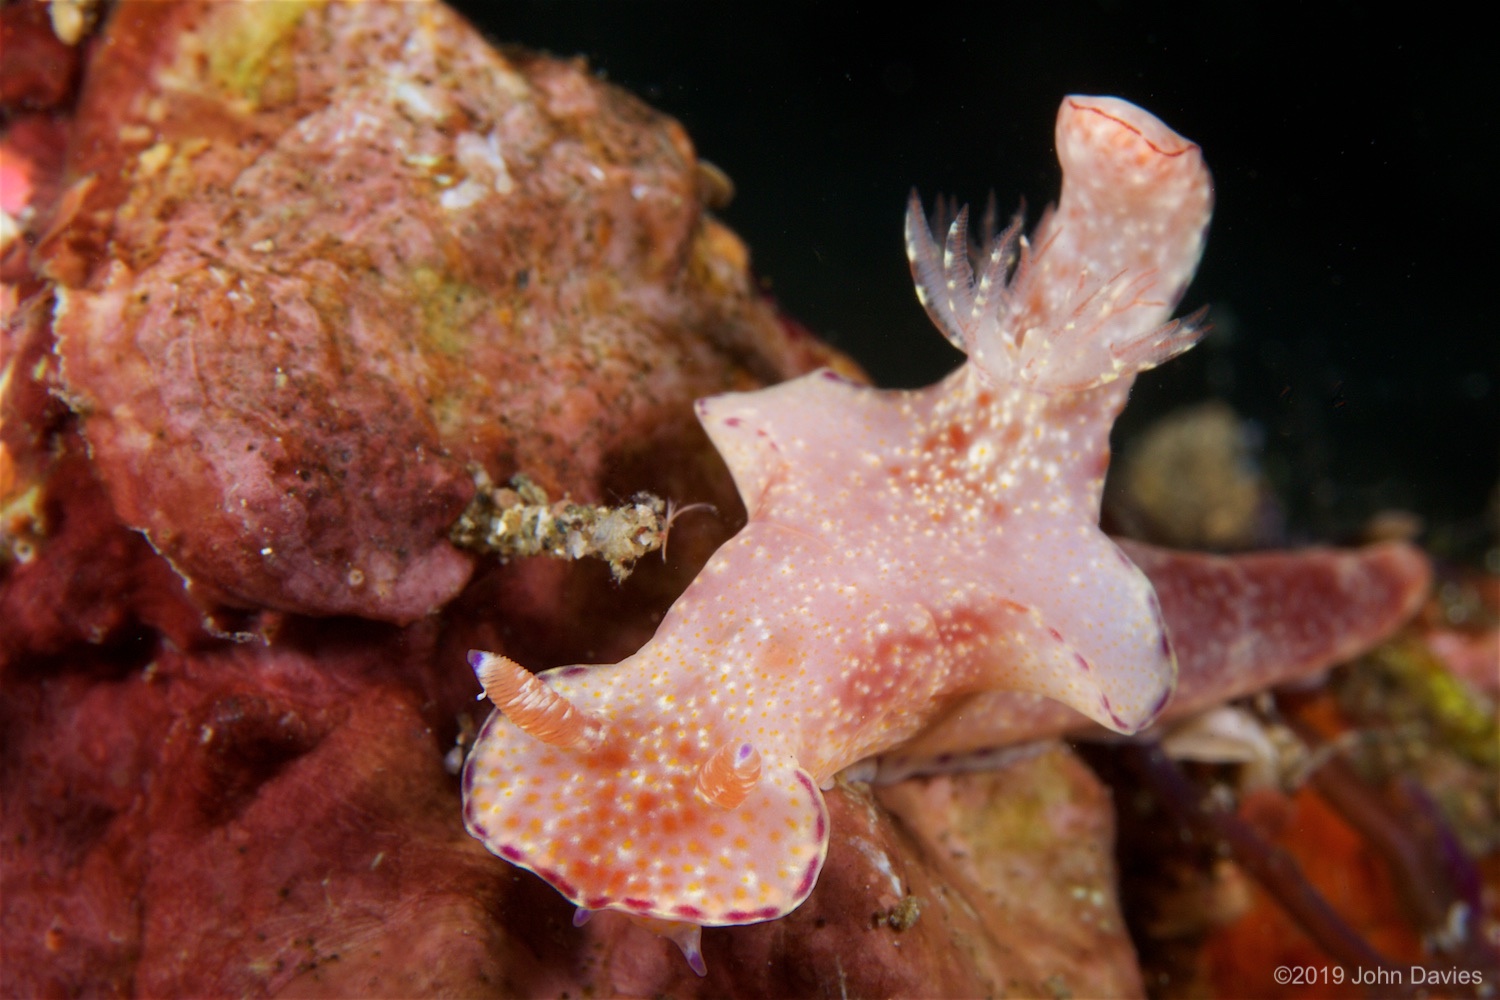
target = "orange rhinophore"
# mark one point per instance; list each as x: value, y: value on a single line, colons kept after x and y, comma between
x: 727, y: 777
x: 536, y: 709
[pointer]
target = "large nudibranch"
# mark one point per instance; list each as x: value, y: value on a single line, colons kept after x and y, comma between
x: 904, y: 551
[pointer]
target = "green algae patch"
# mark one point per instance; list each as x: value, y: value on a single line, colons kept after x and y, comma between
x: 247, y: 48
x: 450, y: 310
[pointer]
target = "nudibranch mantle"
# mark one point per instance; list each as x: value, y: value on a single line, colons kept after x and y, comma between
x: 904, y: 550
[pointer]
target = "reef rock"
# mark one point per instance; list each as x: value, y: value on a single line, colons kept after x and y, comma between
x: 320, y: 257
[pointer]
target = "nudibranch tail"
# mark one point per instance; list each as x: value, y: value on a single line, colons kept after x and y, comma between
x: 727, y: 777
x: 536, y: 709
x: 1089, y: 304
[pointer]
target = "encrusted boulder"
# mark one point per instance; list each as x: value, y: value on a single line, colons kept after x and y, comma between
x: 318, y: 258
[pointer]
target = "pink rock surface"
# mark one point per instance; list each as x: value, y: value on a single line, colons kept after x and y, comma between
x: 217, y: 824
x: 1030, y: 850
x: 350, y: 250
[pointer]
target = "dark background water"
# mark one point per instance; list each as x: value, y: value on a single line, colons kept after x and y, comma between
x: 1351, y: 269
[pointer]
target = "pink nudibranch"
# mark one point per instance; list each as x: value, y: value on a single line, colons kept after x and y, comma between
x: 905, y: 550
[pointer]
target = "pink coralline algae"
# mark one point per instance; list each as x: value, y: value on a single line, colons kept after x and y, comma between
x: 904, y: 551
x: 308, y: 280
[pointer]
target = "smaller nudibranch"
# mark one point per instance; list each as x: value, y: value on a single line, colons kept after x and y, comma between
x: 904, y: 550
